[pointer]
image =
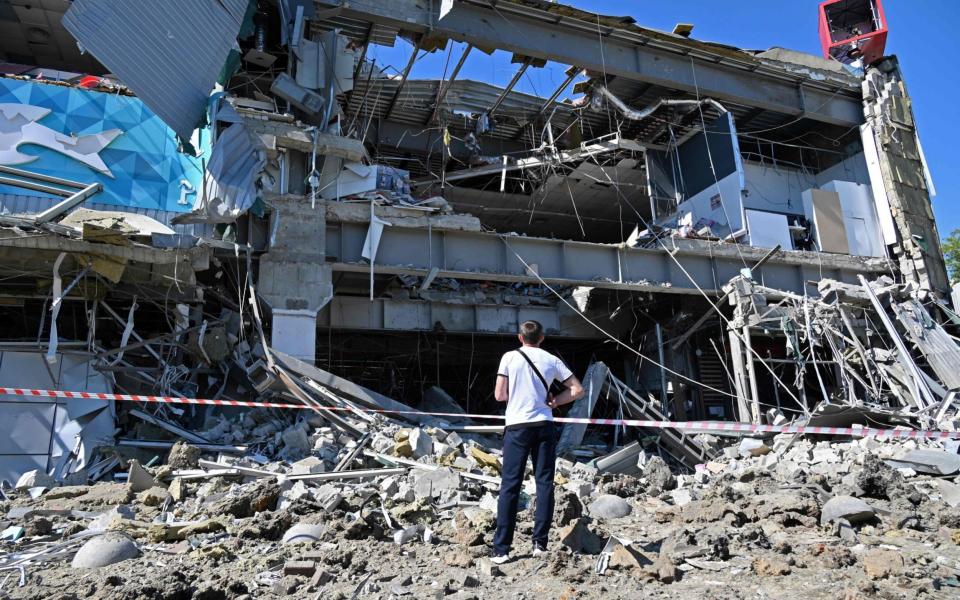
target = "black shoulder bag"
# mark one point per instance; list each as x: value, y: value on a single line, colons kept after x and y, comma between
x: 553, y: 388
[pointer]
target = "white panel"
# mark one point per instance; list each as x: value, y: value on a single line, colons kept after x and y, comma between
x: 825, y: 212
x: 887, y: 227
x: 859, y: 210
x: 26, y: 370
x: 36, y: 427
x: 775, y: 188
x: 768, y: 229
x: 28, y: 427
x: 295, y: 333
x: 723, y: 207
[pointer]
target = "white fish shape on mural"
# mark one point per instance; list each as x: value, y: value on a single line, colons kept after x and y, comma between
x: 19, y: 125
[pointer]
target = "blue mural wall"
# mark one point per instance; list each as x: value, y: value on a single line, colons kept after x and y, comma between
x: 143, y: 167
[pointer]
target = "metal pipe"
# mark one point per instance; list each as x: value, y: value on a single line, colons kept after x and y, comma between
x: 41, y: 177
x: 67, y: 203
x: 39, y: 187
x: 638, y: 115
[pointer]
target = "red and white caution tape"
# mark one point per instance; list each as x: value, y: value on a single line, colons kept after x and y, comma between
x: 695, y: 426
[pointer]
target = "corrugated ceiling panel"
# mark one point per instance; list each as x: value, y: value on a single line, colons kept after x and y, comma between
x: 169, y: 53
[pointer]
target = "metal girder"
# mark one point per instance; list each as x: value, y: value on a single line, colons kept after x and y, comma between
x: 361, y: 59
x: 677, y: 64
x: 445, y: 85
x: 405, y: 76
x: 607, y: 144
x: 491, y: 257
x: 396, y: 136
x: 353, y: 312
x: 513, y: 82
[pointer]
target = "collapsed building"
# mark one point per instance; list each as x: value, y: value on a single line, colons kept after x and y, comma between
x: 231, y: 201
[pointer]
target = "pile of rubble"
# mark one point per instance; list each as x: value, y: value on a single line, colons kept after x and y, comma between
x: 410, y: 511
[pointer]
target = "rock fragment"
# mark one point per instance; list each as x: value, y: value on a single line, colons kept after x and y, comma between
x: 183, y: 456
x: 430, y: 484
x: 852, y: 509
x: 104, y: 550
x: 658, y: 476
x: 770, y: 566
x: 610, y: 507
x: 880, y: 564
x: 578, y: 537
x: 35, y: 478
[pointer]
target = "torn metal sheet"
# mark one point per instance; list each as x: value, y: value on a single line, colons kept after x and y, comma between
x: 46, y: 432
x: 169, y: 53
x: 937, y: 346
x: 230, y: 182
x: 932, y: 462
x: 625, y: 461
x: 355, y: 392
x: 593, y: 383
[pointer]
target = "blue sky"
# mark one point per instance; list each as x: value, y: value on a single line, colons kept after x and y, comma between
x: 922, y: 34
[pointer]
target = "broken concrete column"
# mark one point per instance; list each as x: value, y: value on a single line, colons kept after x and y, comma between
x: 293, y: 278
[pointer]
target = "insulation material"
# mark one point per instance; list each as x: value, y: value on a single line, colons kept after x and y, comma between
x: 43, y: 432
x: 169, y: 53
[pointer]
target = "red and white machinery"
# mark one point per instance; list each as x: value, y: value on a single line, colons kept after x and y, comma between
x: 853, y: 31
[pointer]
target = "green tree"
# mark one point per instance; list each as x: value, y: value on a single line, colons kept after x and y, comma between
x: 951, y: 253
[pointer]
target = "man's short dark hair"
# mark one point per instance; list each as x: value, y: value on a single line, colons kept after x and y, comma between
x: 531, y: 331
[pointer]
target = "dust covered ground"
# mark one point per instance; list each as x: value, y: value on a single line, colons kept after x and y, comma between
x: 798, y: 520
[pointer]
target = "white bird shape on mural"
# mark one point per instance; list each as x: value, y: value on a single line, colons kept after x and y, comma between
x: 19, y: 126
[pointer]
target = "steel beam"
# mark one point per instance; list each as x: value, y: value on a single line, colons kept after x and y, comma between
x: 354, y: 312
x: 404, y: 76
x: 445, y: 85
x: 572, y: 73
x: 491, y: 257
x: 513, y: 82
x: 396, y: 136
x: 636, y: 54
x: 360, y: 60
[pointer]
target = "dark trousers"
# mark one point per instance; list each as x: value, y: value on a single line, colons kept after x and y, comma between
x: 540, y: 444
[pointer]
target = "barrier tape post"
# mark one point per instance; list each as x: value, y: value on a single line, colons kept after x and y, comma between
x: 697, y: 426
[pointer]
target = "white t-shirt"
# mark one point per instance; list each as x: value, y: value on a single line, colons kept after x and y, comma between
x: 528, y: 399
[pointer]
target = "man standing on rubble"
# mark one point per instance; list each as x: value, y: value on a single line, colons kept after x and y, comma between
x: 523, y: 382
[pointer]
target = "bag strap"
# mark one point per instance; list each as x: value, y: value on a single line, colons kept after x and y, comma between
x: 537, y: 371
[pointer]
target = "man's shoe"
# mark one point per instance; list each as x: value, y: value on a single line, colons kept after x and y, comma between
x: 499, y: 559
x: 539, y: 549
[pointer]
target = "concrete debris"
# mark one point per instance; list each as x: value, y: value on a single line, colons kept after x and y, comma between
x: 880, y: 564
x: 33, y: 479
x: 138, y: 478
x: 609, y: 507
x: 433, y: 484
x: 421, y: 444
x: 183, y: 456
x: 578, y: 537
x: 303, y: 533
x: 658, y: 476
x: 848, y: 508
x: 104, y: 550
